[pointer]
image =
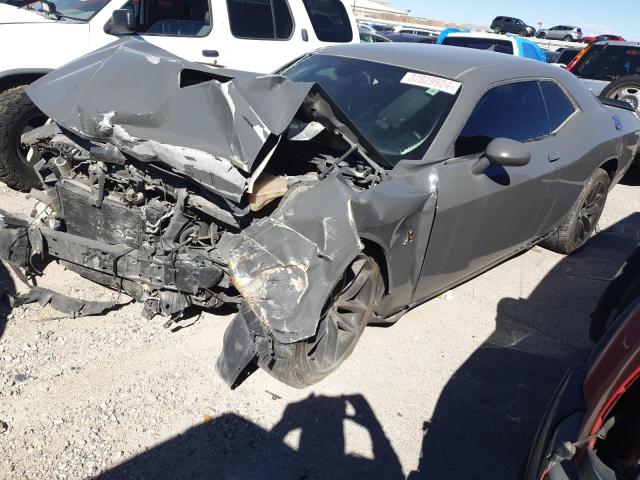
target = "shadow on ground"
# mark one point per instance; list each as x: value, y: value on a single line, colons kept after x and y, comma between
x: 231, y: 447
x: 632, y: 178
x: 489, y: 411
x: 6, y: 286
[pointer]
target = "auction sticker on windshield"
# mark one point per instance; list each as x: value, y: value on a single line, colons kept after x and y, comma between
x: 428, y: 81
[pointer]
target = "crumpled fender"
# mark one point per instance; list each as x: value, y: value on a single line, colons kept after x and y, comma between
x: 286, y: 265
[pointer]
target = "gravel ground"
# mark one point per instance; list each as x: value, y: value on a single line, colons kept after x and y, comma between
x: 454, y: 390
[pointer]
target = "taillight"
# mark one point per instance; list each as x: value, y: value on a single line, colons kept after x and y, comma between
x: 577, y: 58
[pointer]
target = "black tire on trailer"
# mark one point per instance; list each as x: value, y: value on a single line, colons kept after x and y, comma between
x: 18, y: 115
x: 344, y: 318
x: 625, y: 89
x: 581, y: 221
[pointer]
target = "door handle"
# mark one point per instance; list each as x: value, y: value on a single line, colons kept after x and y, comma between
x: 210, y: 53
x: 554, y: 157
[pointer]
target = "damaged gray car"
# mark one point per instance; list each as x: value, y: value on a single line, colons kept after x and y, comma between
x: 352, y: 185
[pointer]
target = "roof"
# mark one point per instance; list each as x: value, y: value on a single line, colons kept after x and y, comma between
x: 621, y: 44
x: 450, y: 62
x: 493, y: 36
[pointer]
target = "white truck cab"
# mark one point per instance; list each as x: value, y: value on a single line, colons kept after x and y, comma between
x: 259, y: 36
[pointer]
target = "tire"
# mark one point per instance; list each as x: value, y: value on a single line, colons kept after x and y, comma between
x: 581, y: 221
x: 305, y: 363
x: 18, y: 114
x: 568, y: 38
x: 497, y: 30
x: 625, y: 89
x: 542, y: 35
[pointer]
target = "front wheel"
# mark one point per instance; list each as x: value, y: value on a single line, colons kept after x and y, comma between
x: 542, y: 35
x: 625, y: 89
x: 18, y: 115
x: 345, y: 315
x: 581, y: 221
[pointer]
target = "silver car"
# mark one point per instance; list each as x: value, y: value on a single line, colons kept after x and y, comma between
x: 561, y: 32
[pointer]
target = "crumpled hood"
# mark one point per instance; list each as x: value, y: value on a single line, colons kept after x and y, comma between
x: 158, y: 107
x: 11, y: 14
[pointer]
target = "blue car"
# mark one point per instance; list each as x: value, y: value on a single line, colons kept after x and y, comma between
x: 509, y: 44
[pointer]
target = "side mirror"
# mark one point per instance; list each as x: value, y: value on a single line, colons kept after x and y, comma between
x: 502, y: 151
x: 123, y: 22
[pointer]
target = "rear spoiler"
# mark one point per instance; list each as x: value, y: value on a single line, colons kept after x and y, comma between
x: 610, y: 102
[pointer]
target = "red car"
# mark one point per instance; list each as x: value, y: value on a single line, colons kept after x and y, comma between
x: 592, y: 427
x: 602, y: 38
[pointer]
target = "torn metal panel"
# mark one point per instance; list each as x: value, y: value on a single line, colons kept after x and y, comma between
x: 210, y: 131
x: 286, y: 265
x: 65, y: 304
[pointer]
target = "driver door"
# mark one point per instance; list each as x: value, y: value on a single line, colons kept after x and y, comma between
x: 483, y: 218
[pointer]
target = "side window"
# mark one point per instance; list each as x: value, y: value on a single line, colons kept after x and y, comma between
x: 183, y: 18
x: 260, y: 19
x: 500, y: 113
x: 559, y: 106
x: 330, y: 20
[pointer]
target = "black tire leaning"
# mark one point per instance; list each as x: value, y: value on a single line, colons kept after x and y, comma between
x: 565, y: 239
x: 294, y: 363
x: 16, y: 108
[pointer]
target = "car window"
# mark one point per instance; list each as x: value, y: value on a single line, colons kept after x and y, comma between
x: 515, y: 111
x: 559, y: 106
x: 395, y: 109
x: 519, y: 22
x: 330, y: 20
x: 556, y: 28
x: 182, y: 18
x: 72, y: 9
x: 608, y: 62
x: 260, y: 19
x: 492, y: 45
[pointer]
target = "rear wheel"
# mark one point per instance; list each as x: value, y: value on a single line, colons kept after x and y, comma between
x: 344, y: 318
x: 18, y: 115
x: 625, y: 89
x: 581, y: 221
x: 568, y: 38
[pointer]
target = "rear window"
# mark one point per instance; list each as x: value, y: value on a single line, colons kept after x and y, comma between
x: 260, y: 19
x: 559, y: 106
x: 330, y: 20
x: 608, y: 62
x: 500, y: 46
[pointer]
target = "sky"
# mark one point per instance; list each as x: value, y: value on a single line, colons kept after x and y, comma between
x: 621, y: 17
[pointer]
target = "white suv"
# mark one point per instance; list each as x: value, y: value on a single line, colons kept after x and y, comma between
x: 258, y: 36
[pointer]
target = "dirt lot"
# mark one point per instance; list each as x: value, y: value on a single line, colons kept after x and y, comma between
x: 454, y: 390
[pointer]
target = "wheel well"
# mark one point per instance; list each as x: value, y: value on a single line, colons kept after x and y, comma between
x: 17, y: 79
x: 611, y: 167
x: 376, y: 252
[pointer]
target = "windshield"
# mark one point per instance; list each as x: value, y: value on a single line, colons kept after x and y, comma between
x: 72, y: 9
x: 608, y: 62
x: 500, y: 46
x: 397, y: 110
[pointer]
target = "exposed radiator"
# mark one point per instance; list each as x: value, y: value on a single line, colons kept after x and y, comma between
x: 113, y: 223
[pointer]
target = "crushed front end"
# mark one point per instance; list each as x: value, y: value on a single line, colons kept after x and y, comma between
x: 202, y: 190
